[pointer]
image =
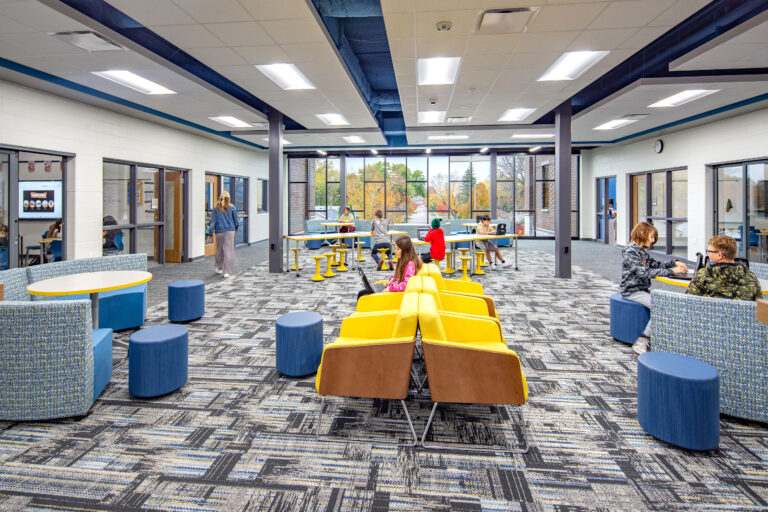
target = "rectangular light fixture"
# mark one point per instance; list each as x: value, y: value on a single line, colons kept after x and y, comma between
x: 332, y: 119
x: 438, y: 70
x: 88, y: 41
x: 374, y: 152
x: 571, y: 65
x: 133, y: 81
x: 683, y: 97
x: 458, y: 120
x: 287, y: 76
x: 354, y: 139
x: 285, y: 142
x: 615, y: 123
x: 484, y: 150
x: 431, y: 116
x: 534, y: 149
x: 516, y: 114
x: 448, y: 137
x: 428, y: 151
x: 533, y: 135
x: 321, y: 152
x: 230, y: 121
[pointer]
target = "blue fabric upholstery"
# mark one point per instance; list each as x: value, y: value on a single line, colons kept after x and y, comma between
x: 314, y: 244
x: 186, y: 300
x: 157, y: 360
x: 760, y: 269
x: 299, y: 343
x: 628, y: 319
x: 123, y: 309
x: 677, y: 400
x: 723, y: 333
x: 47, y: 359
x: 15, y: 284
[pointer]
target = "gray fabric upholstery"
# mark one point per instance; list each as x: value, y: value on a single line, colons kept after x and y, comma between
x: 15, y: 284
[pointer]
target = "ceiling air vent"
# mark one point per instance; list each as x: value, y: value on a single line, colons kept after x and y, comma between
x: 505, y: 21
x: 88, y: 41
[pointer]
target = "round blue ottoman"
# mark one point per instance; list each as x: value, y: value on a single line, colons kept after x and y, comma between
x: 628, y: 319
x: 678, y: 400
x: 186, y: 300
x: 157, y: 360
x: 299, y: 340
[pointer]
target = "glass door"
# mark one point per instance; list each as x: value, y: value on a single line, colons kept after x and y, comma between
x: 5, y: 182
x: 174, y: 210
x: 211, y: 196
x: 606, y: 210
x: 757, y: 213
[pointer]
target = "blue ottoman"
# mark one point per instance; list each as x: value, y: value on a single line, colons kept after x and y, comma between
x: 157, y: 360
x: 299, y: 340
x: 314, y: 244
x: 628, y: 319
x: 678, y: 400
x: 186, y: 300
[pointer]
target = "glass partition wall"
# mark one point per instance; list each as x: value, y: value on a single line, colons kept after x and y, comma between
x: 661, y: 198
x: 741, y: 192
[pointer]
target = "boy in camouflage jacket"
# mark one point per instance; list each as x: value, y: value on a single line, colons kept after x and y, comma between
x: 722, y: 277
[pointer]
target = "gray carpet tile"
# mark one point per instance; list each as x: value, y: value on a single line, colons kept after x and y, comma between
x: 239, y: 436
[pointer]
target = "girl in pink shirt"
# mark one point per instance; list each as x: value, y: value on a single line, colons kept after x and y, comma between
x: 408, y: 264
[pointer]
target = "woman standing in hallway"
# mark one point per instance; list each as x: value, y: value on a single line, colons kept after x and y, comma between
x: 224, y: 223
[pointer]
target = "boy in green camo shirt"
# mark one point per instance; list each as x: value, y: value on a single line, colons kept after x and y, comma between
x: 722, y: 278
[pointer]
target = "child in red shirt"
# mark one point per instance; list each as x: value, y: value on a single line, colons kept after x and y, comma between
x: 436, y: 239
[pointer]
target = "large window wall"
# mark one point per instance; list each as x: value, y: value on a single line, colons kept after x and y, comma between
x: 661, y: 198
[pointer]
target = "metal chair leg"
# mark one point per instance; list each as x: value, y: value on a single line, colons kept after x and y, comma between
x: 456, y: 446
x: 352, y: 440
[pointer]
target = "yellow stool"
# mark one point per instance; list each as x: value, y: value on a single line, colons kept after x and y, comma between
x: 360, y: 245
x: 448, y: 268
x: 463, y: 250
x: 383, y: 253
x: 480, y: 262
x: 329, y: 273
x: 296, y: 258
x: 465, y: 267
x: 334, y: 248
x: 317, y: 276
x: 342, y: 268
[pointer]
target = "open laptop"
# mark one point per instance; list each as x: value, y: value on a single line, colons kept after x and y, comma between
x: 371, y: 288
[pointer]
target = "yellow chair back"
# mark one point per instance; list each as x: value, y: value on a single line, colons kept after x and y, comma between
x: 429, y: 319
x: 408, y: 317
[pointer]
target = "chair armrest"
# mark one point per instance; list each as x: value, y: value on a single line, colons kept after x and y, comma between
x: 488, y: 301
x: 369, y: 325
x: 452, y: 285
x: 466, y: 328
x: 379, y: 302
x: 465, y: 304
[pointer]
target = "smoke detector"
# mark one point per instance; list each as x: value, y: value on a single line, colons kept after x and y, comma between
x: 443, y: 26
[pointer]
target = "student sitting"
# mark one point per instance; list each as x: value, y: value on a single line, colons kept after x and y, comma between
x: 379, y: 230
x: 637, y: 270
x: 484, y: 228
x: 408, y: 264
x: 722, y: 277
x: 436, y: 239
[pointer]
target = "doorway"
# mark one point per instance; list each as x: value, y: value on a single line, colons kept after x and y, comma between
x: 211, y: 195
x: 605, y: 208
x: 174, y: 215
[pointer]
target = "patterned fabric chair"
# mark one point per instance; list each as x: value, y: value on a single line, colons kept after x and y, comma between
x: 52, y: 364
x: 760, y: 269
x: 723, y: 333
x: 15, y: 284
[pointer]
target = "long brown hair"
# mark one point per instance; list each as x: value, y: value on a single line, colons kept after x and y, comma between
x: 223, y: 203
x: 407, y: 254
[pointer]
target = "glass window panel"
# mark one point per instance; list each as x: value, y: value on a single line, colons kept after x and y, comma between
x: 417, y: 168
x: 460, y: 191
x: 239, y: 197
x: 320, y: 184
x: 679, y: 238
x: 395, y: 184
x: 334, y: 199
x: 417, y: 202
x: 461, y: 168
x: 439, y: 195
x: 374, y: 199
x: 639, y: 197
x: 4, y: 184
x: 240, y: 234
x: 334, y: 174
x: 147, y: 195
x: 730, y: 201
x: 117, y: 196
x: 505, y: 200
x: 481, y: 180
x: 261, y: 195
x: 147, y: 241
x: 524, y: 189
x: 374, y: 171
x: 525, y: 224
x: 396, y: 217
x: 757, y: 182
x: 659, y: 194
x: 680, y: 194
x: 661, y: 242
x: 505, y: 167
x: 354, y: 199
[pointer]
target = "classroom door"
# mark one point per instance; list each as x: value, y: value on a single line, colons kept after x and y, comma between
x: 605, y: 194
x: 211, y: 195
x: 174, y: 214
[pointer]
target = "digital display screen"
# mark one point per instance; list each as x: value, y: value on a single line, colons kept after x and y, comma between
x: 39, y: 199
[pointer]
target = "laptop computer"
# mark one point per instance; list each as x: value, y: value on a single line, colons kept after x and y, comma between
x: 687, y: 276
x: 370, y: 288
x: 421, y: 233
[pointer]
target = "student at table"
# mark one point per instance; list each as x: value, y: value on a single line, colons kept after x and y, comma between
x: 408, y: 264
x: 722, y: 277
x: 637, y: 270
x: 379, y: 229
x: 436, y: 239
x: 347, y: 216
x: 484, y: 228
x: 54, y: 230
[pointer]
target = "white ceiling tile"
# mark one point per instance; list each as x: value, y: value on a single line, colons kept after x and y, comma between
x: 399, y: 25
x: 275, y: 10
x: 601, y: 39
x: 220, y: 11
x: 404, y: 48
x: 440, y: 47
x: 188, y: 36
x: 299, y: 53
x: 257, y: 55
x: 9, y: 26
x: 395, y: 6
x: 153, y: 12
x: 536, y: 42
x: 246, y: 33
x: 217, y: 56
x: 304, y: 30
x: 493, y: 44
x: 39, y: 16
x: 439, y: 5
x: 565, y: 17
x: 630, y: 13
x: 677, y: 12
x: 643, y: 37
x: 31, y: 44
x: 463, y: 22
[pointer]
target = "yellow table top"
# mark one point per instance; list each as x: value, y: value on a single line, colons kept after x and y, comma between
x: 89, y: 282
x: 686, y: 282
x: 339, y: 223
x: 473, y: 224
x: 466, y: 238
x: 328, y: 236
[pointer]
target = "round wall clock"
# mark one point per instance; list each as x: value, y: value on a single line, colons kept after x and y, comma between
x: 658, y: 146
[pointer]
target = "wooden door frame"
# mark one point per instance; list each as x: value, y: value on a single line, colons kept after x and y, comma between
x: 174, y: 255
x: 210, y: 249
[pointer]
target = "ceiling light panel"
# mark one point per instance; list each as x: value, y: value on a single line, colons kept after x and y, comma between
x: 285, y: 142
x: 287, y: 76
x: 458, y: 120
x: 614, y: 123
x: 438, y: 70
x: 516, y: 114
x: 448, y: 137
x: 133, y: 81
x: 88, y: 41
x: 431, y: 116
x: 533, y: 135
x: 683, y: 97
x: 354, y: 139
x: 333, y: 119
x: 231, y: 121
x: 571, y: 65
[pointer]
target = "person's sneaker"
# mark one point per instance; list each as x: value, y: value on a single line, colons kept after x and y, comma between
x: 219, y: 271
x: 226, y: 276
x: 505, y: 264
x: 642, y: 345
x: 493, y: 266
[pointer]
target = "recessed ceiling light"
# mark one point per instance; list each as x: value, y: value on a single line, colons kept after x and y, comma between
x: 285, y: 142
x: 432, y: 116
x: 571, y: 65
x: 260, y: 125
x: 438, y: 70
x: 683, y: 97
x: 321, y: 152
x: 374, y: 152
x: 448, y: 137
x: 534, y: 149
x: 133, y: 81
x: 458, y: 120
x: 332, y: 119
x: 484, y: 150
x: 354, y: 139
x: 533, y: 135
x: 230, y: 121
x: 287, y: 76
x: 428, y: 151
x: 88, y: 41
x: 615, y: 123
x: 516, y: 114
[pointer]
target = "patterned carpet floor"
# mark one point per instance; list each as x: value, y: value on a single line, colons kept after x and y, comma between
x: 239, y: 436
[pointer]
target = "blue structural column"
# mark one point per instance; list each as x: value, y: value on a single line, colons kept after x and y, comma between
x: 276, y: 191
x: 563, y: 190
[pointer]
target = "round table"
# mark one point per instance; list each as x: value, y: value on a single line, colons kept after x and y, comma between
x: 91, y: 283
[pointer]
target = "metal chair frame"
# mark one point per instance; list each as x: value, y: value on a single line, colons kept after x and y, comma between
x: 353, y: 440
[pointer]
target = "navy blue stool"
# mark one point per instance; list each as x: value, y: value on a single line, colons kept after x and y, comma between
x: 678, y: 400
x: 186, y: 300
x: 628, y: 319
x: 299, y: 343
x: 157, y: 360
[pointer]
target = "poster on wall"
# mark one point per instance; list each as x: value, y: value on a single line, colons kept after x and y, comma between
x: 39, y: 199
